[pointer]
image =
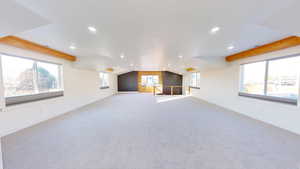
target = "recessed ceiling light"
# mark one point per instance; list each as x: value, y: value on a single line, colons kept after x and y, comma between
x: 72, y: 47
x: 131, y: 64
x: 230, y: 47
x: 215, y: 30
x: 92, y: 29
x: 169, y: 65
x: 122, y: 56
x: 180, y: 56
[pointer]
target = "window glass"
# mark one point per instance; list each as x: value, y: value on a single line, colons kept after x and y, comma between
x: 104, y: 79
x: 283, y: 78
x: 253, y: 78
x: 155, y: 80
x: 276, y: 80
x: 195, y: 79
x: 150, y: 80
x: 48, y: 77
x: 26, y: 77
x: 18, y: 76
x: 144, y: 80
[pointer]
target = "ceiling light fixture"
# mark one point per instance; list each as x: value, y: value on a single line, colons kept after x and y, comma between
x: 72, y: 47
x: 180, y: 56
x: 214, y: 30
x: 230, y: 47
x: 131, y: 64
x: 122, y: 56
x: 92, y: 29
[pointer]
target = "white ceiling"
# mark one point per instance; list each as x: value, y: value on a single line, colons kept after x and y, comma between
x: 152, y: 34
x: 14, y: 18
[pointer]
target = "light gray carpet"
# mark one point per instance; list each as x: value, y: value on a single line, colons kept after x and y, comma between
x: 133, y: 131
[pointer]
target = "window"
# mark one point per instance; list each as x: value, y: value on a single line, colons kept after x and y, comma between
x: 150, y: 80
x: 253, y: 80
x: 276, y: 79
x: 27, y: 80
x: 104, y: 80
x: 48, y: 78
x: 18, y: 76
x: 283, y: 78
x: 195, y: 80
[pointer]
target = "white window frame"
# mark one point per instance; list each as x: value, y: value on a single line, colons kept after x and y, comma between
x: 14, y: 100
x: 265, y: 96
x: 101, y: 80
x: 197, y: 80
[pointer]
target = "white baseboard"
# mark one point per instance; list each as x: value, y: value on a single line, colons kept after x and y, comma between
x: 1, y: 159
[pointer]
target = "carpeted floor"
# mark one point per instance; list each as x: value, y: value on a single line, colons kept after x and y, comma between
x: 136, y: 131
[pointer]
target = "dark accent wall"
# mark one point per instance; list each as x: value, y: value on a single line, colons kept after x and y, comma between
x: 171, y: 79
x: 128, y: 81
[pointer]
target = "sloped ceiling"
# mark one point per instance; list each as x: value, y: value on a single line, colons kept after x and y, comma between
x: 16, y: 18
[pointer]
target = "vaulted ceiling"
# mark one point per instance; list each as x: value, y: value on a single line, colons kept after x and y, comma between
x: 150, y: 34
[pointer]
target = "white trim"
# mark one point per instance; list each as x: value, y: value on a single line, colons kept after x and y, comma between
x: 266, y: 78
x: 33, y: 97
x: 270, y: 98
x: 1, y: 159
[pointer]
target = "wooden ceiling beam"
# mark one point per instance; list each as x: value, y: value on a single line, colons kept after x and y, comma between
x: 28, y: 45
x: 271, y: 47
x: 190, y: 69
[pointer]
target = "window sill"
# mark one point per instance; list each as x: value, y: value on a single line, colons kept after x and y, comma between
x: 194, y: 87
x: 104, y: 87
x: 10, y: 101
x: 270, y: 98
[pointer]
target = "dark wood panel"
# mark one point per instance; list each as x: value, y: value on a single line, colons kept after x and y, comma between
x: 171, y: 79
x: 128, y: 81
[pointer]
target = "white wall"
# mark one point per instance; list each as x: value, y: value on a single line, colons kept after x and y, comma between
x: 221, y: 87
x: 81, y: 87
x: 1, y: 159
